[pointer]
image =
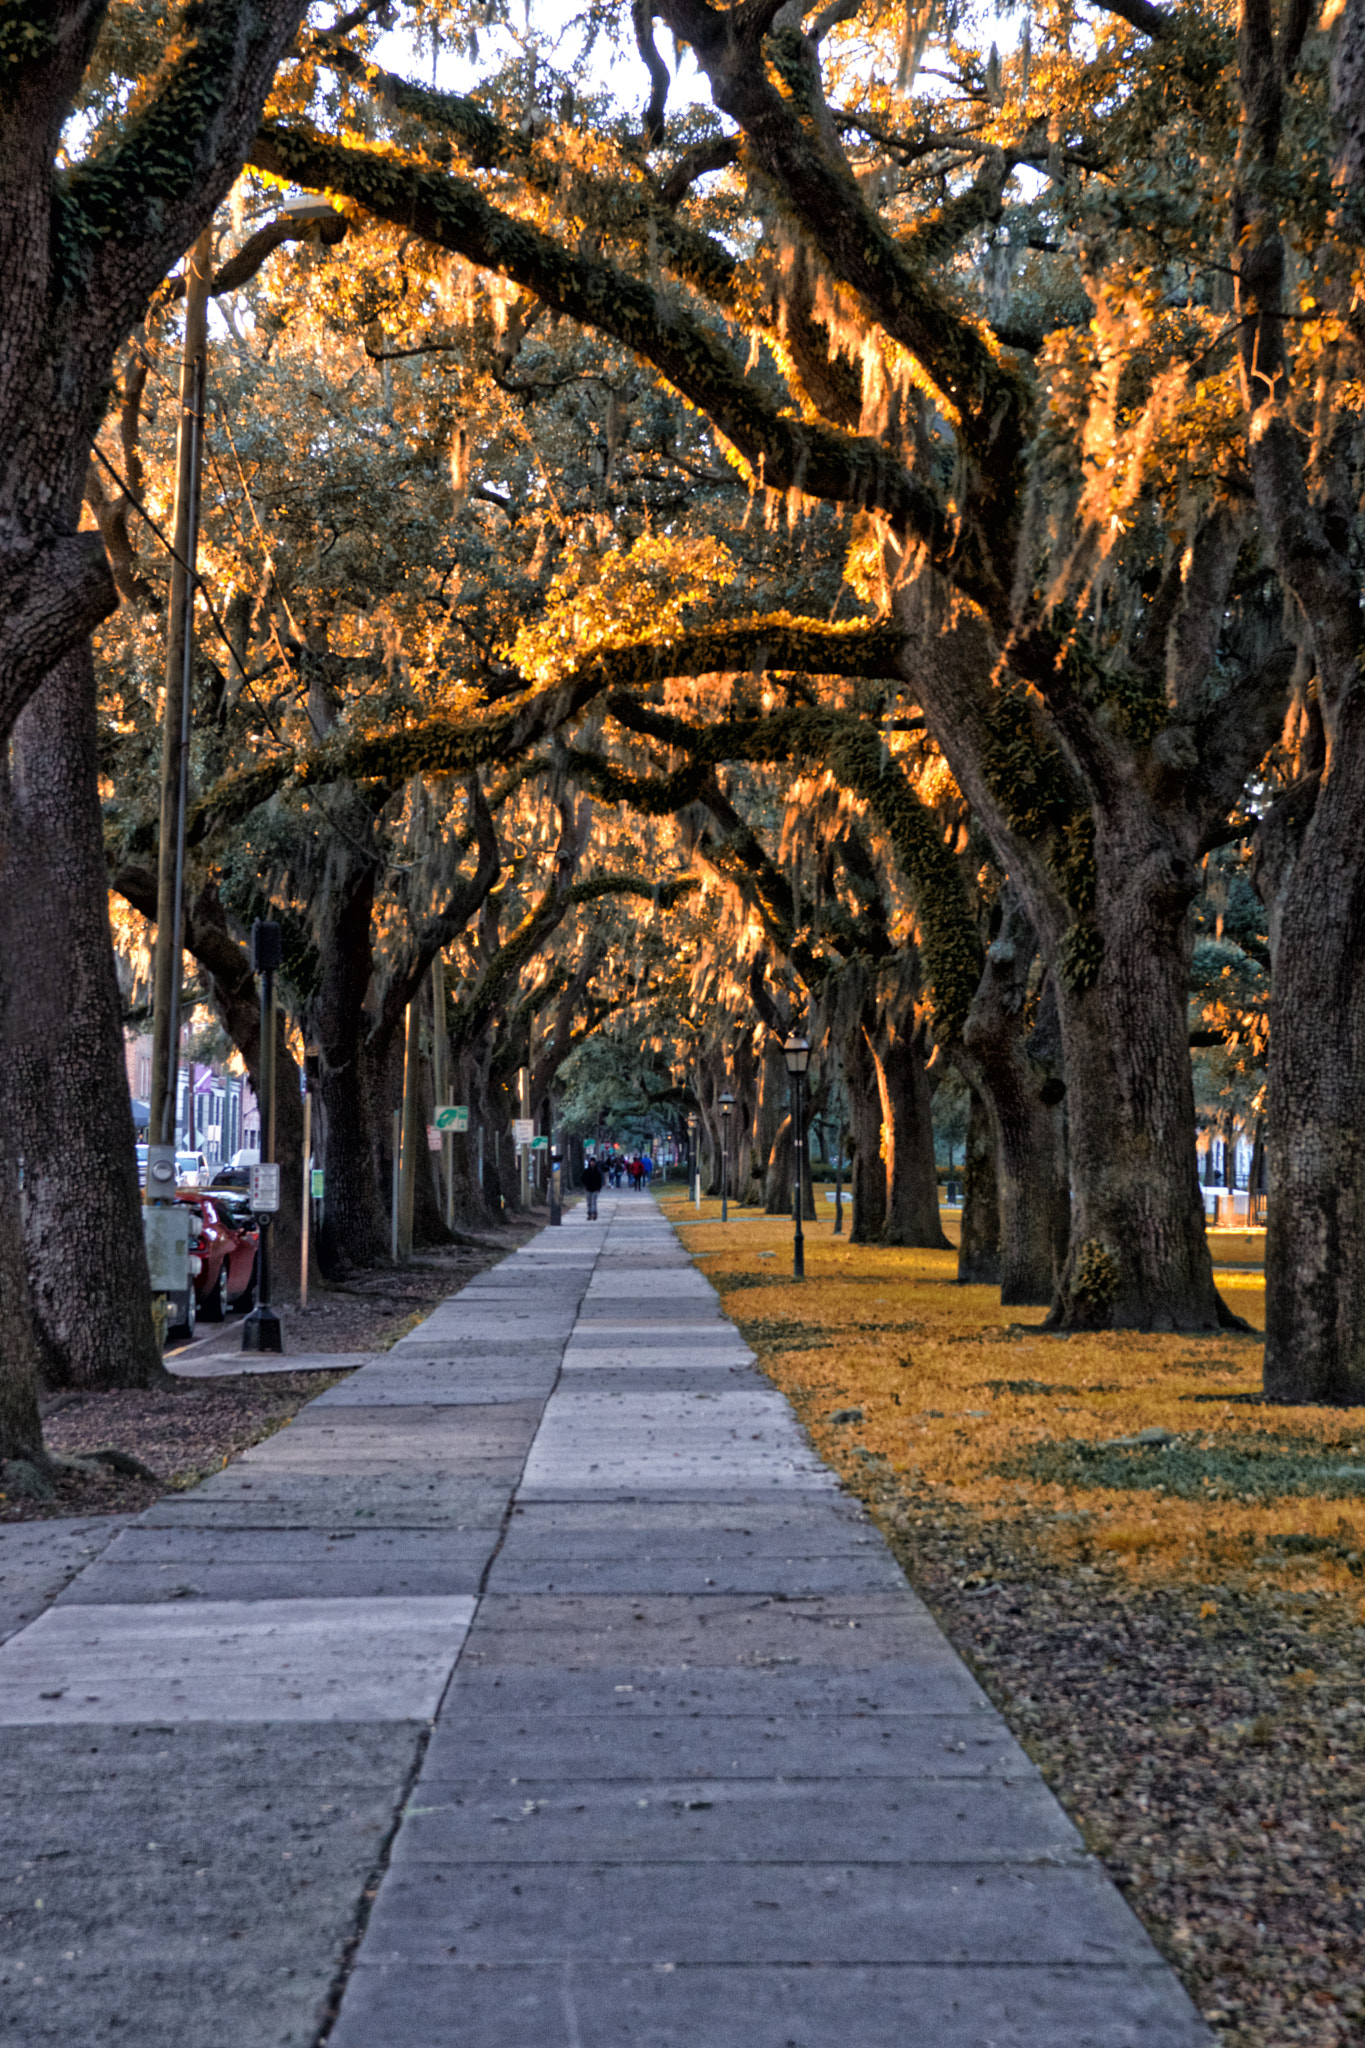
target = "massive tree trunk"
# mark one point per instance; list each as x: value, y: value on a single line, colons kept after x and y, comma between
x: 1315, y: 1106
x: 912, y: 1216
x: 777, y: 1181
x: 235, y: 996
x: 978, y: 1254
x: 779, y: 1192
x: 868, y: 1175
x: 1138, y: 1257
x: 63, y: 1081
x: 1021, y: 1100
x: 354, y: 1230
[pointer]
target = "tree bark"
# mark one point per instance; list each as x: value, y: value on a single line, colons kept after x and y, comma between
x: 1138, y: 1257
x: 234, y: 994
x: 1014, y: 1088
x: 868, y: 1174
x: 978, y: 1256
x: 354, y: 1231
x: 1315, y: 1095
x: 21, y: 1433
x: 912, y: 1216
x: 63, y: 1081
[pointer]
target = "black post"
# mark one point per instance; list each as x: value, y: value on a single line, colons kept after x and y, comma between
x: 838, y: 1178
x: 261, y: 1331
x: 798, y: 1185
x: 725, y: 1171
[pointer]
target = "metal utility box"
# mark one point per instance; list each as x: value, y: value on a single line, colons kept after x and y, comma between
x: 166, y: 1234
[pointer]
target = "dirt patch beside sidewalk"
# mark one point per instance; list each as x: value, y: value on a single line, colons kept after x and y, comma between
x: 182, y: 1433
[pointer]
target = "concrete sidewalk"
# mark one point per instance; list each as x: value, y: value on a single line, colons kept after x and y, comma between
x: 706, y: 1772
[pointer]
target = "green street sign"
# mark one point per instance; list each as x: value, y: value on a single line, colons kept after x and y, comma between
x: 540, y: 1144
x: 317, y: 1183
x: 452, y: 1116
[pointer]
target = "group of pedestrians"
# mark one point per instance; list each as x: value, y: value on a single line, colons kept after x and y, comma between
x: 614, y: 1169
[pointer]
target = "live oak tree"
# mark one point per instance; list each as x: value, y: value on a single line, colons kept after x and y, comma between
x: 1298, y: 373
x: 106, y: 180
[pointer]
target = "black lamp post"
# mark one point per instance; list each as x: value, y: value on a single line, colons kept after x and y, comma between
x: 796, y: 1052
x: 727, y: 1104
x: 692, y: 1187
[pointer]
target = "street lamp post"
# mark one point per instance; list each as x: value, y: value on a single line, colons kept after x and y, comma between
x: 727, y: 1104
x: 693, y: 1162
x: 796, y: 1053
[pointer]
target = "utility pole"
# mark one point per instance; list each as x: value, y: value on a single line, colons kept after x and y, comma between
x: 440, y: 1093
x: 307, y: 1216
x: 175, y: 724
x: 524, y: 1078
x: 411, y: 1102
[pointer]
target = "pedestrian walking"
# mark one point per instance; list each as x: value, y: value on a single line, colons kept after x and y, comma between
x: 592, y: 1187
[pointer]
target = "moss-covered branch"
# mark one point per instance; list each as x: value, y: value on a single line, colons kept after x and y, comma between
x: 453, y: 746
x: 625, y: 210
x: 122, y: 217
x: 785, y: 453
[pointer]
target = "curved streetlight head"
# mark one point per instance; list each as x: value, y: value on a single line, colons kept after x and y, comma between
x: 727, y: 1103
x: 796, y: 1052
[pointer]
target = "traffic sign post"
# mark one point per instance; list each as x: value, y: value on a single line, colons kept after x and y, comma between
x: 452, y: 1116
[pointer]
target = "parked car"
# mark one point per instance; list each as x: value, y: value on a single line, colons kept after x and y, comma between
x: 226, y: 1250
x: 141, y: 1165
x: 192, y: 1170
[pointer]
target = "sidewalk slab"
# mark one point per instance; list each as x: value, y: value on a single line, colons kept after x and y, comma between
x: 780, y: 1748
x: 671, y: 2005
x: 234, y: 1660
x: 788, y: 1912
x: 216, y: 1365
x: 37, y: 1559
x: 566, y: 1820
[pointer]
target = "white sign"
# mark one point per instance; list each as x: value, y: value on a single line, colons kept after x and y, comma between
x: 452, y: 1116
x: 265, y: 1189
x: 523, y: 1129
x: 435, y: 1142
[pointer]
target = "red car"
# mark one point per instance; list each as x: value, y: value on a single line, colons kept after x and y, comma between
x: 228, y: 1241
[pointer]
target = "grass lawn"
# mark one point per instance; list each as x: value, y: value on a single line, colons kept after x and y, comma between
x: 1156, y: 1577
